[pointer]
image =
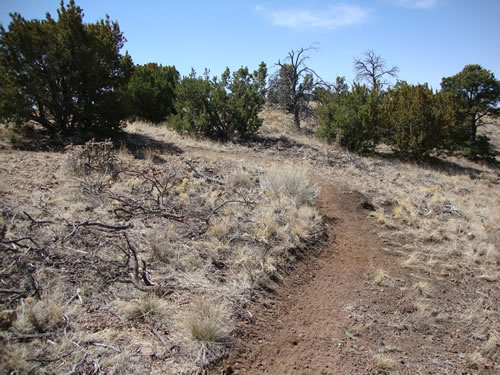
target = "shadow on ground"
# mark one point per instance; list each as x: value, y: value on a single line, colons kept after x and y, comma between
x: 140, y: 144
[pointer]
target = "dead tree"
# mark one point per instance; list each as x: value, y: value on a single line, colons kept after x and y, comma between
x: 292, y: 86
x: 372, y: 68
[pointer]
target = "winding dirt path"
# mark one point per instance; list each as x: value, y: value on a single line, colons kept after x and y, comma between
x: 304, y: 327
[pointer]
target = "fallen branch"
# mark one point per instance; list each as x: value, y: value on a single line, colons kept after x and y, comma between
x: 32, y: 336
x: 144, y: 274
x: 198, y: 174
x: 12, y: 291
x: 107, y: 346
x: 17, y: 240
x: 162, y: 340
x: 76, y: 365
x: 138, y: 286
x: 102, y: 225
x: 137, y: 270
x: 37, y: 222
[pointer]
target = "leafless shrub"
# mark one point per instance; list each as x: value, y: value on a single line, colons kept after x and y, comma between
x: 93, y: 157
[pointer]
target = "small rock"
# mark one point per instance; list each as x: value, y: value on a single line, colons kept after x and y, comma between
x: 368, y: 206
x: 146, y: 351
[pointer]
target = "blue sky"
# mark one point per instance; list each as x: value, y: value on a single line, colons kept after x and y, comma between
x: 426, y: 39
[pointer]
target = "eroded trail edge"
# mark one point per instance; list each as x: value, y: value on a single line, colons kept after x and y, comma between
x: 309, y: 325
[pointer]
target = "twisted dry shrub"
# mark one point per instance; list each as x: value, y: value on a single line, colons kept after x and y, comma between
x: 93, y: 157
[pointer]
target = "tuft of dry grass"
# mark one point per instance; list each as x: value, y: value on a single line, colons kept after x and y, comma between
x: 423, y: 288
x: 492, y: 345
x: 383, y: 363
x: 474, y: 360
x: 208, y: 321
x: 381, y: 277
x: 290, y: 182
x: 13, y: 359
x: 143, y: 308
x: 42, y: 315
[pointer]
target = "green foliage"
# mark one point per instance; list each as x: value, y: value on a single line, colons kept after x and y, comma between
x: 479, y: 148
x: 351, y: 118
x: 221, y: 108
x: 477, y: 94
x: 151, y: 91
x: 417, y: 121
x: 65, y: 75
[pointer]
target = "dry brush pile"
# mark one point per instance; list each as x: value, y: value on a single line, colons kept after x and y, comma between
x: 140, y: 266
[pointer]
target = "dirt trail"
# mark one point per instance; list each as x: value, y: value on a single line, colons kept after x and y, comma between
x: 303, y: 328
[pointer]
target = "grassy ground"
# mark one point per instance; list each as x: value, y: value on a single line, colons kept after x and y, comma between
x: 142, y: 259
x: 138, y: 263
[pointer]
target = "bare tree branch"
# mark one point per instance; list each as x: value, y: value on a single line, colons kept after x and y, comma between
x: 293, y: 84
x: 372, y: 68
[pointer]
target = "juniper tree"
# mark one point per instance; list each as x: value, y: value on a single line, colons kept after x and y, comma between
x: 221, y: 108
x: 64, y: 74
x: 151, y: 91
x: 477, y: 92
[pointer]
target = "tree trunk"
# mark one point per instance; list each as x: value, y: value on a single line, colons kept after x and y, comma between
x: 473, y: 129
x: 296, y: 119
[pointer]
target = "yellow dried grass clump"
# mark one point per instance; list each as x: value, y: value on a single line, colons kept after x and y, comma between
x: 209, y: 321
x: 143, y: 308
x: 42, y: 315
x: 383, y: 363
x: 290, y: 182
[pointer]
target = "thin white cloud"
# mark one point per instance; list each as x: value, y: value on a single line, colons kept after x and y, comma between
x: 333, y: 17
x: 420, y: 4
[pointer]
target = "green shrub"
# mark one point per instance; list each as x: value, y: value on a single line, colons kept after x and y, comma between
x: 65, y: 75
x: 351, y: 119
x: 416, y: 121
x: 220, y: 108
x: 195, y: 113
x: 151, y: 91
x: 476, y: 93
x: 480, y: 148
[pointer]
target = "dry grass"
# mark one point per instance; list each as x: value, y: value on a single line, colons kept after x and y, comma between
x: 289, y: 182
x: 383, y: 363
x: 208, y: 322
x: 381, y: 277
x: 474, y: 360
x: 134, y: 238
x: 227, y: 225
x: 144, y: 308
